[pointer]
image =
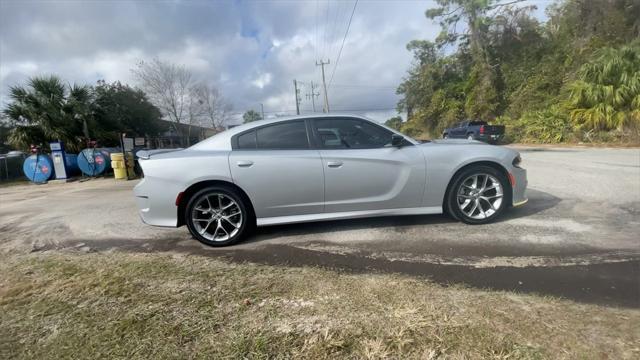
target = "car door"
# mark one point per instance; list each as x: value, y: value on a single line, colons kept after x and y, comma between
x: 363, y: 171
x: 459, y: 131
x: 277, y: 168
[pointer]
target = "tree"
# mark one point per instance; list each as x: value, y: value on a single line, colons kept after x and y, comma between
x: 251, y: 116
x: 394, y: 122
x: 120, y: 108
x: 47, y: 110
x: 214, y: 107
x: 607, y: 93
x: 5, y: 131
x: 170, y: 88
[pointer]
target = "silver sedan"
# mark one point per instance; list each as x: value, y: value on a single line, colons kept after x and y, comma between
x: 322, y: 167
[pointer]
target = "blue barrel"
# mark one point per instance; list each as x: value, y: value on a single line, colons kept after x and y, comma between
x: 71, y: 160
x: 93, y: 162
x: 38, y: 168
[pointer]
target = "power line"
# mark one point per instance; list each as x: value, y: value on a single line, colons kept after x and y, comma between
x: 343, y: 40
x: 326, y: 25
x: 365, y: 86
x: 335, y: 29
x: 294, y: 110
x: 317, y: 42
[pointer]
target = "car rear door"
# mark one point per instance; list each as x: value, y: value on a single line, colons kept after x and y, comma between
x: 277, y: 168
x: 363, y: 171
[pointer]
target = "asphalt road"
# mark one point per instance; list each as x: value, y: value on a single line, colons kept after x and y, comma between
x: 578, y: 236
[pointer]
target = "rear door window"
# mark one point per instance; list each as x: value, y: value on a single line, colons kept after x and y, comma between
x: 283, y: 136
x: 247, y: 140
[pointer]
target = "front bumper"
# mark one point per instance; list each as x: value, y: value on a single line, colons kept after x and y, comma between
x: 520, y: 187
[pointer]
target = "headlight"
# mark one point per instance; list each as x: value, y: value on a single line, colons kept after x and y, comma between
x: 516, y: 161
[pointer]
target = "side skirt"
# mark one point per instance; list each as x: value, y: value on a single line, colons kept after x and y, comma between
x: 277, y: 220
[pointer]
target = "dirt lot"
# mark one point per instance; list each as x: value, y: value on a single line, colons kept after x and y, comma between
x: 576, y: 239
x: 577, y: 236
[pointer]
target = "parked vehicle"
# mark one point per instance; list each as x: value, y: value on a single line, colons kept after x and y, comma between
x: 322, y: 167
x: 475, y: 130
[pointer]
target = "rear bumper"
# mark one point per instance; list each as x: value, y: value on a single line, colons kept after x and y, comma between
x: 489, y: 137
x: 520, y: 187
x: 156, y: 204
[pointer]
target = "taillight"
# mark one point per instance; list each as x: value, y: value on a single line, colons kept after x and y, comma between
x: 481, y: 129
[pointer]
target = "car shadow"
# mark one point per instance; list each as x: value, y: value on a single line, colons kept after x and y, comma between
x: 539, y: 201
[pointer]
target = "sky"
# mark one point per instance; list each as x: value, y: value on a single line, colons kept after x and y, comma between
x: 250, y: 50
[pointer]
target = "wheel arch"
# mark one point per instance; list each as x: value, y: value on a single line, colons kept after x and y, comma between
x: 491, y: 164
x: 194, y: 188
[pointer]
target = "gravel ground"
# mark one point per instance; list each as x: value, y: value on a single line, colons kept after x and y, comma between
x: 577, y: 236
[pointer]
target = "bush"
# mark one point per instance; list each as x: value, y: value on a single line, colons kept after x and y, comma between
x: 549, y: 126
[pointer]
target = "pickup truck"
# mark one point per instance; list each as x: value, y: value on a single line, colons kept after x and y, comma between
x: 475, y: 130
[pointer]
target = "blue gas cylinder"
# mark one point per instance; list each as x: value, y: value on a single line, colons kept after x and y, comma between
x: 93, y: 162
x: 38, y: 168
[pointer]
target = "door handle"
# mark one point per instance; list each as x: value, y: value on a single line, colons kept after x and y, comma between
x: 244, y: 163
x: 334, y: 164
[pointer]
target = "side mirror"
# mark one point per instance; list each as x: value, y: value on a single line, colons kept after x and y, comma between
x: 397, y: 140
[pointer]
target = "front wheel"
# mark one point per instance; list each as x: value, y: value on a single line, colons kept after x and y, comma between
x: 217, y: 216
x: 478, y: 195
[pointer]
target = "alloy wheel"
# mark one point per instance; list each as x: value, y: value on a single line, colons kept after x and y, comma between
x: 480, y: 196
x: 216, y: 217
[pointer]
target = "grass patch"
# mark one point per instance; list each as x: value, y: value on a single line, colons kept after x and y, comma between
x: 55, y: 305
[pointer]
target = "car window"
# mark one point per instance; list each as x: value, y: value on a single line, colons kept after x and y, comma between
x: 247, y: 140
x: 288, y: 135
x: 351, y: 134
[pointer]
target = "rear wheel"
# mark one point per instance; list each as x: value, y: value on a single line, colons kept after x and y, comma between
x: 217, y: 216
x: 470, y: 137
x: 478, y: 195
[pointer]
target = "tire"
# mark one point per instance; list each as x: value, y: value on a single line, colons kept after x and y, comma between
x: 233, y: 223
x: 470, y: 137
x: 470, y: 204
x: 445, y: 136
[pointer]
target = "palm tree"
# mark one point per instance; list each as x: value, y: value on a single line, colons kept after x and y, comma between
x: 606, y: 95
x: 47, y: 110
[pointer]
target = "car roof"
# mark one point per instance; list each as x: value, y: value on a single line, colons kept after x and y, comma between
x: 222, y: 140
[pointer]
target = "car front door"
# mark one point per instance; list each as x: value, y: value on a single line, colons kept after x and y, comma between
x: 459, y: 131
x: 277, y: 168
x: 363, y: 171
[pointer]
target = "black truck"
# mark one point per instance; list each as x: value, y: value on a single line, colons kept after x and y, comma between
x: 475, y: 130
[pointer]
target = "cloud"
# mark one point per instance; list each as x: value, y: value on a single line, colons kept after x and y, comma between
x: 262, y: 81
x: 251, y: 50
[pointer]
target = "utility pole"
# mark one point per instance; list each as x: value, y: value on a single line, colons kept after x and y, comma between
x: 262, y: 110
x: 324, y: 85
x: 296, y: 93
x: 312, y: 95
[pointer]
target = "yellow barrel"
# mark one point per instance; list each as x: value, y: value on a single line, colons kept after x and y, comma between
x: 117, y: 163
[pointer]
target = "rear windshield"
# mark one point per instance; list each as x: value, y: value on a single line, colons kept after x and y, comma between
x: 475, y: 123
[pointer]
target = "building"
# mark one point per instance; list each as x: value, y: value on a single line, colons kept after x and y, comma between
x: 186, y: 135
